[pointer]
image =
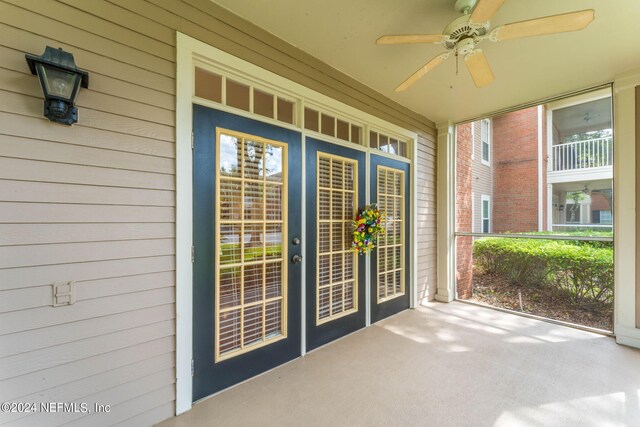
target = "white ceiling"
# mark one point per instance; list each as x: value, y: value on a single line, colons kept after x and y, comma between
x: 342, y: 34
x: 594, y: 115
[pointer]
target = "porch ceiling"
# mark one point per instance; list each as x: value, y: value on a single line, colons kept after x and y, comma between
x: 342, y: 34
x: 594, y: 115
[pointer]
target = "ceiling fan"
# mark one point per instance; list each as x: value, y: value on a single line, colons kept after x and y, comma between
x: 463, y: 34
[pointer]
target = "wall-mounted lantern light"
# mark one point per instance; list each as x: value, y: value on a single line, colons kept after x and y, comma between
x: 561, y: 208
x: 60, y: 80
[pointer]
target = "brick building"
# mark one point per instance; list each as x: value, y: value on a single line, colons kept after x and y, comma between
x: 543, y: 168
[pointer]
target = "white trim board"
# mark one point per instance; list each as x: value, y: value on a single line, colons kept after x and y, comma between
x: 184, y: 226
x: 445, y: 209
x: 580, y: 99
x: 487, y: 123
x: 485, y: 198
x: 189, y: 52
x: 473, y: 212
x: 624, y: 212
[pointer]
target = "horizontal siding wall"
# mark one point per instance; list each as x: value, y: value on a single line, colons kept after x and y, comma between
x: 426, y: 207
x: 482, y: 177
x: 95, y: 202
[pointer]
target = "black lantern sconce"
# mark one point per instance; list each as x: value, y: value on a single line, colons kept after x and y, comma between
x: 60, y: 81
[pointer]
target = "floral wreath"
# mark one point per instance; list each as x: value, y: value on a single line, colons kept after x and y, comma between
x: 367, y: 228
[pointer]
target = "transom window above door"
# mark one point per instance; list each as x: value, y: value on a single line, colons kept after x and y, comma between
x: 234, y: 93
x: 330, y: 125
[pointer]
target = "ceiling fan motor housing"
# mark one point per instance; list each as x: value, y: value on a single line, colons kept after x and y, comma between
x: 460, y: 29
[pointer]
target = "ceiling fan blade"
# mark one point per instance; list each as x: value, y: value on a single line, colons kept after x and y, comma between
x: 484, y: 11
x: 410, y: 38
x: 422, y: 71
x: 479, y: 68
x: 566, y: 22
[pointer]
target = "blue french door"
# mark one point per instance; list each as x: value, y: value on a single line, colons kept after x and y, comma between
x: 390, y: 272
x: 246, y: 230
x: 335, y: 275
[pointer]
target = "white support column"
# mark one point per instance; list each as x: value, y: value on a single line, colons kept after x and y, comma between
x: 541, y: 171
x: 550, y: 209
x: 367, y: 200
x: 446, y: 203
x: 413, y: 173
x: 184, y: 226
x: 624, y: 212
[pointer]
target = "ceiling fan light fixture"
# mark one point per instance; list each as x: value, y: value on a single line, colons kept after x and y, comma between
x: 466, y: 46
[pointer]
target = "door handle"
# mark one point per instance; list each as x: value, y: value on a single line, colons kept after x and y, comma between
x: 297, y: 259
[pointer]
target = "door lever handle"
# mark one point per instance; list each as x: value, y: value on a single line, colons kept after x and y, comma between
x: 297, y: 259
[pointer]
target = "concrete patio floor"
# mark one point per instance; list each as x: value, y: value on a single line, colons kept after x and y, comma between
x: 442, y: 365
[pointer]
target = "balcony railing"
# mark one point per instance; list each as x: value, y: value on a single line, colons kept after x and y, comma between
x: 591, y: 153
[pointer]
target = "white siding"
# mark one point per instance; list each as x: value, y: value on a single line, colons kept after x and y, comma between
x: 426, y: 206
x: 481, y: 176
x: 93, y: 203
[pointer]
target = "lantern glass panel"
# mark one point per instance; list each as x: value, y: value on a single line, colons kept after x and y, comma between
x: 58, y: 83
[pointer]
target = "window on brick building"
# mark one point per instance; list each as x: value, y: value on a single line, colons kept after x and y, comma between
x: 601, y: 217
x: 486, y: 214
x: 485, y: 135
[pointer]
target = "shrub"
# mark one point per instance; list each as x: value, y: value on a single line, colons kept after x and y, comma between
x: 584, y: 271
x: 230, y: 252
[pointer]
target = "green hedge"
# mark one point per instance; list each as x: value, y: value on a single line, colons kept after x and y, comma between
x: 581, y: 233
x: 584, y: 271
x: 230, y: 253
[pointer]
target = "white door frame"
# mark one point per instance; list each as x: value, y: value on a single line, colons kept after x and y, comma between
x: 188, y: 52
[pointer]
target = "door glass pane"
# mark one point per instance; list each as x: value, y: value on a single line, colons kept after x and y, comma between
x: 250, y: 230
x: 253, y: 160
x: 273, y: 162
x: 229, y: 244
x: 336, y: 285
x: 390, y: 251
x: 231, y: 153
